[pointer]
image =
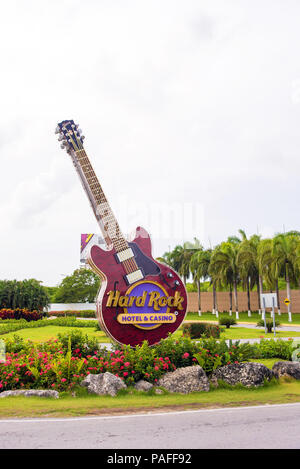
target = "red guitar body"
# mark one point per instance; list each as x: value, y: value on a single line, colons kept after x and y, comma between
x: 104, y: 263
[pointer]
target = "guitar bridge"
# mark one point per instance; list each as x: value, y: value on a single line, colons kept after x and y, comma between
x: 133, y: 277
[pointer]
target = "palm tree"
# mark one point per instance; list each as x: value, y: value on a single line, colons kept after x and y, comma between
x: 266, y: 266
x: 284, y: 254
x: 180, y: 258
x: 248, y: 265
x: 199, y: 265
x: 224, y: 266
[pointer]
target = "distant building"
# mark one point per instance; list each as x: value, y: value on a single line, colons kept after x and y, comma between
x: 88, y: 240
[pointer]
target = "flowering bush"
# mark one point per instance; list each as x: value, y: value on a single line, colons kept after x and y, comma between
x: 63, y: 363
x: 20, y: 314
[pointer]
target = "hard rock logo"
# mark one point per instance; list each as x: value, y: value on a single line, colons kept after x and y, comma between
x: 146, y: 305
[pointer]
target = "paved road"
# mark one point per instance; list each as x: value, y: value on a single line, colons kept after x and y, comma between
x: 275, y: 426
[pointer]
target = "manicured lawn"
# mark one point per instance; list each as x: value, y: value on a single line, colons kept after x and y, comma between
x: 245, y: 333
x: 243, y: 317
x: 42, y: 334
x: 132, y: 401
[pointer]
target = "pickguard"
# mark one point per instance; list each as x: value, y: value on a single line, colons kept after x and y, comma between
x: 148, y: 266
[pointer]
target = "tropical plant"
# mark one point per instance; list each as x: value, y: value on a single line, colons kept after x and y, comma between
x: 199, y: 265
x: 284, y: 253
x: 224, y: 267
x: 80, y: 287
x: 26, y: 294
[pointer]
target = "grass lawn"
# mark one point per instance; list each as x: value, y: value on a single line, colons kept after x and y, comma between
x: 132, y: 401
x: 245, y: 333
x: 243, y: 317
x: 42, y: 334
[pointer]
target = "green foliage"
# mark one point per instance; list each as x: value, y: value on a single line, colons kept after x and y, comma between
x: 26, y: 294
x: 80, y: 287
x: 82, y: 345
x: 201, y: 329
x: 62, y: 364
x: 269, y: 324
x: 227, y: 321
x: 13, y: 325
x: 214, y: 354
x: 270, y: 348
x: 51, y: 291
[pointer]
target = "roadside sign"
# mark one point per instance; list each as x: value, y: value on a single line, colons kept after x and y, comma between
x: 267, y: 300
x: 287, y: 301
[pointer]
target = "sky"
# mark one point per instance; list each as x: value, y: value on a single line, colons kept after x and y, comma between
x: 191, y: 113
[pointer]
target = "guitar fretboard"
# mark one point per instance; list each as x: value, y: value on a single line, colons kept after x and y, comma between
x: 108, y: 223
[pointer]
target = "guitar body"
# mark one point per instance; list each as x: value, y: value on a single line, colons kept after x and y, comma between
x: 160, y: 276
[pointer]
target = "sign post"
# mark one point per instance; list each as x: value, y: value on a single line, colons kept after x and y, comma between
x: 287, y: 302
x: 269, y: 300
x: 273, y: 312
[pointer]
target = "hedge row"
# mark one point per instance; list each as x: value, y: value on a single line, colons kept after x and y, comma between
x: 16, y: 325
x: 18, y: 313
x: 63, y: 364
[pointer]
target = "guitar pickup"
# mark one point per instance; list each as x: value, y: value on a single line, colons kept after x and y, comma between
x: 133, y: 277
x: 124, y: 255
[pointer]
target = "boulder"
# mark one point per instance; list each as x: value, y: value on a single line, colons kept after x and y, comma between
x: 247, y: 374
x: 31, y: 393
x: 185, y: 380
x: 143, y: 385
x: 291, y: 369
x: 104, y: 383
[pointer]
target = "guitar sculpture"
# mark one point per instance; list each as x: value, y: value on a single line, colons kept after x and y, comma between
x: 140, y: 298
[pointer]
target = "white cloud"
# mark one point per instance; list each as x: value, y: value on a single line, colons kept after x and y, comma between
x: 181, y: 102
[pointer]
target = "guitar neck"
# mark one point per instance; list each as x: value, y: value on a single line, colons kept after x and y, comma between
x: 101, y: 208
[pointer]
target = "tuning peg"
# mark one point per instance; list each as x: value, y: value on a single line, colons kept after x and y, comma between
x: 57, y: 130
x: 82, y: 137
x: 60, y: 138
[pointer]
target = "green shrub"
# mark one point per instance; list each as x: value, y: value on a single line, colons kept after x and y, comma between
x: 81, y: 345
x: 271, y: 348
x: 269, y: 324
x: 196, y: 330
x: 227, y: 321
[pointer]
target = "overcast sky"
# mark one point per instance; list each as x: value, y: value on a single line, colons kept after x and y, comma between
x: 189, y: 107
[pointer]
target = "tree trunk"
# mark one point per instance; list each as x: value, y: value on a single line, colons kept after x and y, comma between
x: 236, y: 300
x: 230, y: 300
x: 216, y: 303
x: 278, y: 301
x: 248, y: 296
x: 199, y: 297
x: 288, y: 293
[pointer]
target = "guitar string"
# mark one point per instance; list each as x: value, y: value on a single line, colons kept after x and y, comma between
x: 121, y: 243
x: 129, y: 264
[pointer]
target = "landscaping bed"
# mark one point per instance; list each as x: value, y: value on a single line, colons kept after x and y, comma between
x: 75, y: 352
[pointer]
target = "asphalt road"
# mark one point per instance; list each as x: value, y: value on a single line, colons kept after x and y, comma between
x: 274, y: 426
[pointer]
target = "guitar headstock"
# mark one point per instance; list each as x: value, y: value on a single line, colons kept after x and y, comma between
x: 70, y: 136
